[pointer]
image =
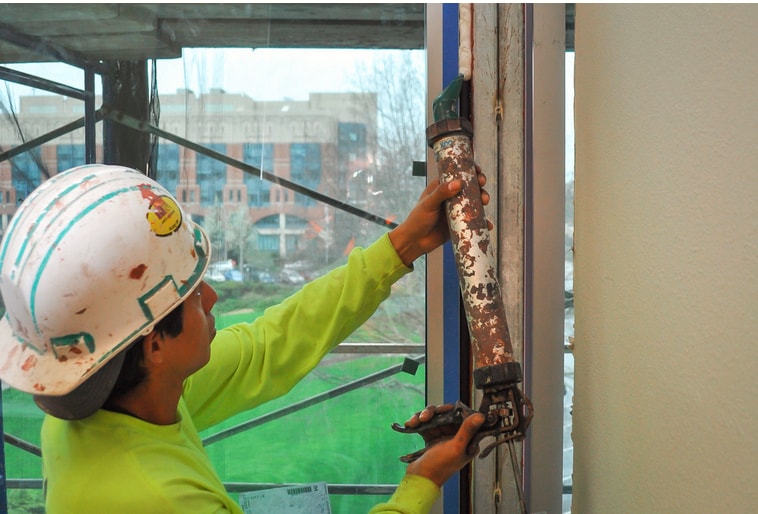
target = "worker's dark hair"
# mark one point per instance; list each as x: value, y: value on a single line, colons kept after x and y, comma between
x: 133, y: 370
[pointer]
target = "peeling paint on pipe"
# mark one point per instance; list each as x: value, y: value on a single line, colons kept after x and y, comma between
x: 483, y: 303
x: 508, y: 411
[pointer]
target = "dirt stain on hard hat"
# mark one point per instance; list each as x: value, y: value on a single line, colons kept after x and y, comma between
x: 137, y: 272
x: 29, y: 363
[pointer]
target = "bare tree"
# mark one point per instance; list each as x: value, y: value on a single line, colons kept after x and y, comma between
x: 398, y: 78
x: 399, y: 81
x: 238, y: 230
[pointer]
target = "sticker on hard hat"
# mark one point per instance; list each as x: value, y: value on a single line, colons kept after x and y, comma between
x: 164, y: 216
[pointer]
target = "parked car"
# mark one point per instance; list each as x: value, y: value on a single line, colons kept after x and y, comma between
x: 264, y: 277
x: 290, y: 276
x: 234, y: 275
x: 258, y: 275
x: 214, y: 275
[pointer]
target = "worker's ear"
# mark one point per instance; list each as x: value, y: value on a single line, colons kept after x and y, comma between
x: 153, y: 348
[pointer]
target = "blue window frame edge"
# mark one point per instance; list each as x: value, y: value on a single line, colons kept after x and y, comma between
x: 451, y: 290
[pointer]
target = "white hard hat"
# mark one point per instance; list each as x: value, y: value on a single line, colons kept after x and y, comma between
x: 91, y: 261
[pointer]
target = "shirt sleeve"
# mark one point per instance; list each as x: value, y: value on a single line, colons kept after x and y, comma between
x: 252, y: 363
x: 414, y: 495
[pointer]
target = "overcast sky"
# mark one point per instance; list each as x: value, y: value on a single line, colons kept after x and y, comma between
x: 298, y: 72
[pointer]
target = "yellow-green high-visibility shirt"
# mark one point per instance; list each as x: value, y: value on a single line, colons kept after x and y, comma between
x: 113, y: 463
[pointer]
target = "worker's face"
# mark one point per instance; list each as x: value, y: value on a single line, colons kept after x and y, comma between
x: 191, y: 348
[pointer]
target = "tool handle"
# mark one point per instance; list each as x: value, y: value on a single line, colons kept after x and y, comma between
x: 440, y: 427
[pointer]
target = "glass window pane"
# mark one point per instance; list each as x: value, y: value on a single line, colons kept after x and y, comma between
x: 346, y: 123
x: 211, y: 176
x: 331, y: 142
x: 27, y: 174
x: 70, y: 155
x: 168, y: 166
x: 261, y: 156
x: 305, y: 169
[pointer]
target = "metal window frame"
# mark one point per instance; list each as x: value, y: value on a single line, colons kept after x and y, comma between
x: 541, y: 259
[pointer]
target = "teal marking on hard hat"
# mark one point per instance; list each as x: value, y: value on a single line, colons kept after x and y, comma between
x: 73, y: 340
x: 19, y: 215
x: 181, y: 290
x: 55, y: 200
x: 39, y: 221
x: 56, y: 243
x: 199, y: 240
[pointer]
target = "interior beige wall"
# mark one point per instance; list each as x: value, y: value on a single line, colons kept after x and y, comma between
x: 666, y: 259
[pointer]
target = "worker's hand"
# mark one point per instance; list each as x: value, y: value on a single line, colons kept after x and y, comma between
x: 443, y: 459
x: 426, y: 226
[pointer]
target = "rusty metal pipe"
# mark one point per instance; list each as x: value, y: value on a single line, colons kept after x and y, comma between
x: 508, y: 411
x: 483, y: 304
x: 451, y: 139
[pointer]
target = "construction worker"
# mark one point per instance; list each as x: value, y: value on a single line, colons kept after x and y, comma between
x: 109, y: 325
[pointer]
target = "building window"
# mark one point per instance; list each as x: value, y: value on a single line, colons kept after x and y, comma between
x: 70, y: 156
x: 279, y: 242
x: 291, y: 243
x: 259, y: 155
x: 211, y: 176
x: 167, y: 168
x: 269, y: 222
x: 305, y: 169
x: 268, y: 242
x: 281, y: 228
x: 25, y: 170
x: 352, y: 141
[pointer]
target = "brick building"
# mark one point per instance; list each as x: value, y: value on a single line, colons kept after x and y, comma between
x: 319, y: 143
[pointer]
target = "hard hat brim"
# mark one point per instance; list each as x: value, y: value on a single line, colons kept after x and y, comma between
x: 88, y: 397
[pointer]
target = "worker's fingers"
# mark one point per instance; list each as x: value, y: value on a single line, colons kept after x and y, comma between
x: 451, y: 187
x: 485, y: 196
x: 416, y: 419
x: 468, y: 430
x: 481, y: 176
x: 438, y: 192
x: 432, y: 410
x: 427, y: 414
x: 430, y: 187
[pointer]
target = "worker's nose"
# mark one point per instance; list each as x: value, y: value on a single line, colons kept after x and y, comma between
x: 208, y: 296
